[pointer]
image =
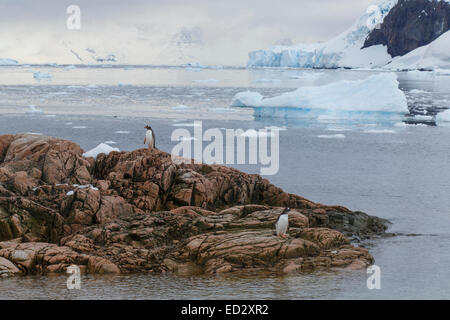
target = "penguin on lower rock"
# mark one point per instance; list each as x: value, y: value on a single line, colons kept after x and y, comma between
x: 282, y: 224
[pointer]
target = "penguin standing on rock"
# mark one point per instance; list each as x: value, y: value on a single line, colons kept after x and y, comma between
x: 282, y: 223
x: 149, y: 137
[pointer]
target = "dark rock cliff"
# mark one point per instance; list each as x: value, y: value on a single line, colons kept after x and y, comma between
x: 411, y: 24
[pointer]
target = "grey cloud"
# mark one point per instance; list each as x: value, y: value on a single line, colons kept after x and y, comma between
x: 226, y: 30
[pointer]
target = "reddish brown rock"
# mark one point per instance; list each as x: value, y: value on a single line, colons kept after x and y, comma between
x: 38, y: 257
x: 140, y: 211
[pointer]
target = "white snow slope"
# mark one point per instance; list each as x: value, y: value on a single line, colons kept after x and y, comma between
x: 435, y: 55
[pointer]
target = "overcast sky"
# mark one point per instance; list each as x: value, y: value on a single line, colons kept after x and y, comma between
x: 166, y: 31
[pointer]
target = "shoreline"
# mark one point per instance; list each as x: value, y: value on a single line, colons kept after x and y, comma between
x: 160, y: 216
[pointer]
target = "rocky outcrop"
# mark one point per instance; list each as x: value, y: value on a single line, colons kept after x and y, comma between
x: 42, y: 257
x: 141, y: 212
x: 411, y: 24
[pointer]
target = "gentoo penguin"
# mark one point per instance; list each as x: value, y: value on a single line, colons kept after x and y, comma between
x: 149, y: 137
x: 282, y: 223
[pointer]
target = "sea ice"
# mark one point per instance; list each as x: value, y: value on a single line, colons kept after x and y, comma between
x: 32, y: 109
x: 8, y: 62
x: 42, y: 75
x: 180, y: 107
x: 443, y: 116
x: 207, y: 80
x: 380, y: 131
x: 101, y: 148
x: 69, y: 67
x: 264, y: 80
x: 331, y: 136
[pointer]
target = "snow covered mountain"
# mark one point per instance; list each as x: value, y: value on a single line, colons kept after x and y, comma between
x: 411, y: 24
x: 433, y: 56
x: 386, y: 30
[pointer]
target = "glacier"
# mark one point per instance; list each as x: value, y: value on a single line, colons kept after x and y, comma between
x: 377, y: 95
x: 342, y: 51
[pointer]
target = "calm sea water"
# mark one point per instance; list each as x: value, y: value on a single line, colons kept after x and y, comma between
x: 401, y: 173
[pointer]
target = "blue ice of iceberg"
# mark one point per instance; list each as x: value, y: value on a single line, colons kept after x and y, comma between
x: 377, y: 95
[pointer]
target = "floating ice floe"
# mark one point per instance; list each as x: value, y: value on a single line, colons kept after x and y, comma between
x: 380, y: 131
x: 70, y: 67
x: 221, y: 110
x: 101, y: 148
x: 443, y: 116
x: 207, y: 81
x: 377, y: 95
x: 264, y: 80
x: 331, y: 136
x: 122, y: 132
x: 79, y: 127
x: 180, y: 107
x: 32, y: 109
x: 42, y: 75
x: 307, y: 75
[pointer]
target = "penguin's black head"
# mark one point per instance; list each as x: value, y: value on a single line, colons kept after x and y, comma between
x: 148, y: 127
x: 286, y: 211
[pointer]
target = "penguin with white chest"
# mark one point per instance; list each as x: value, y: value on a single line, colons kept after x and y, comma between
x: 149, y: 137
x: 282, y: 224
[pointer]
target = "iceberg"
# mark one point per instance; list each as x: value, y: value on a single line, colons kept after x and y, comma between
x: 101, y: 148
x: 443, y: 116
x: 8, y: 62
x: 342, y: 51
x: 331, y: 136
x: 32, y: 109
x: 378, y: 94
x: 207, y: 81
x: 41, y: 75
